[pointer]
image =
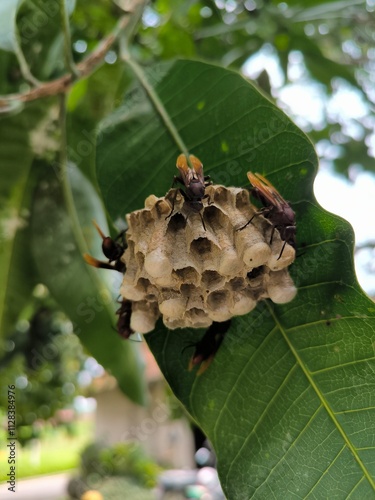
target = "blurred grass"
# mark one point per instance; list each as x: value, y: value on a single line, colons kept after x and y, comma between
x: 59, y: 451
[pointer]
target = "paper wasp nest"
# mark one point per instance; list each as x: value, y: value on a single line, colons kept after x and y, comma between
x: 192, y: 276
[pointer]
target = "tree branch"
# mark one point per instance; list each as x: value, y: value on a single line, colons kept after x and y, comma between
x: 62, y: 84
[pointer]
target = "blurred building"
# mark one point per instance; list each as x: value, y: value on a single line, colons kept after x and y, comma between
x: 167, y: 440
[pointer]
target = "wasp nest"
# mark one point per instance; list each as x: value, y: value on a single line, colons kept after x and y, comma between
x: 193, y: 273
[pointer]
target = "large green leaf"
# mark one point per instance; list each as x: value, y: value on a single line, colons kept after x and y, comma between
x: 82, y: 291
x: 16, y: 273
x: 288, y: 402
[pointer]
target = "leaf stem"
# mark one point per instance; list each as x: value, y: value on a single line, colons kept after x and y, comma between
x: 66, y: 187
x: 24, y: 67
x: 67, y: 40
x: 150, y: 91
x: 154, y: 98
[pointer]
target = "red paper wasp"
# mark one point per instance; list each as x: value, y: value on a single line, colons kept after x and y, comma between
x: 275, y: 209
x: 123, y: 322
x: 194, y: 182
x: 112, y: 250
x: 208, y: 346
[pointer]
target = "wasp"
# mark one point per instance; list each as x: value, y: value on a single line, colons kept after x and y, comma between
x: 112, y: 249
x: 208, y: 346
x: 195, y: 183
x: 275, y: 209
x: 123, y: 322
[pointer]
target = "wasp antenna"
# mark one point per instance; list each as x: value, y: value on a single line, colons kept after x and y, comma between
x: 98, y: 229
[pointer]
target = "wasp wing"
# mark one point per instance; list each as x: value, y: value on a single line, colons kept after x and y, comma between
x: 197, y: 167
x: 185, y: 171
x: 267, y: 190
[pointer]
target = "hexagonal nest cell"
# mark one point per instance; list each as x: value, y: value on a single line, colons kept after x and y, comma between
x: 195, y: 268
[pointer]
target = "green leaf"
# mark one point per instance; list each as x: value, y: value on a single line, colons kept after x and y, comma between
x: 288, y: 401
x: 78, y: 288
x: 323, y: 10
x: 16, y: 271
x: 8, y: 36
x: 89, y: 101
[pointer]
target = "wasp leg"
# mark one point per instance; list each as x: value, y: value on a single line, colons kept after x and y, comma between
x: 263, y: 211
x: 282, y: 249
x: 281, y: 252
x: 122, y: 236
x: 203, y: 224
x: 207, y: 196
x: 247, y: 223
x: 272, y: 233
x: 207, y: 180
x: 208, y: 346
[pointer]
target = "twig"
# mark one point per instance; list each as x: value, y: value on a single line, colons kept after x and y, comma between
x: 24, y: 67
x: 155, y: 100
x: 61, y: 85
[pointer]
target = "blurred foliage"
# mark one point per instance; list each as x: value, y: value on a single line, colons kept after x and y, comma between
x: 43, y: 359
x: 329, y: 44
x: 112, y: 488
x: 123, y: 459
x: 325, y: 43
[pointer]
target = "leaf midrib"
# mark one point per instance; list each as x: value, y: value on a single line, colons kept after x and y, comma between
x: 322, y: 399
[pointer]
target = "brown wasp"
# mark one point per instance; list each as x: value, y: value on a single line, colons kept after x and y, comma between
x: 208, y: 346
x: 194, y: 182
x: 123, y: 322
x: 111, y: 249
x: 275, y: 209
x: 114, y: 250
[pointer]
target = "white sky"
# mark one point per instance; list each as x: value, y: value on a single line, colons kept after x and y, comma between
x: 355, y: 202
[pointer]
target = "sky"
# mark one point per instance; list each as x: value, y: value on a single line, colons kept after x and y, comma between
x: 355, y: 202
